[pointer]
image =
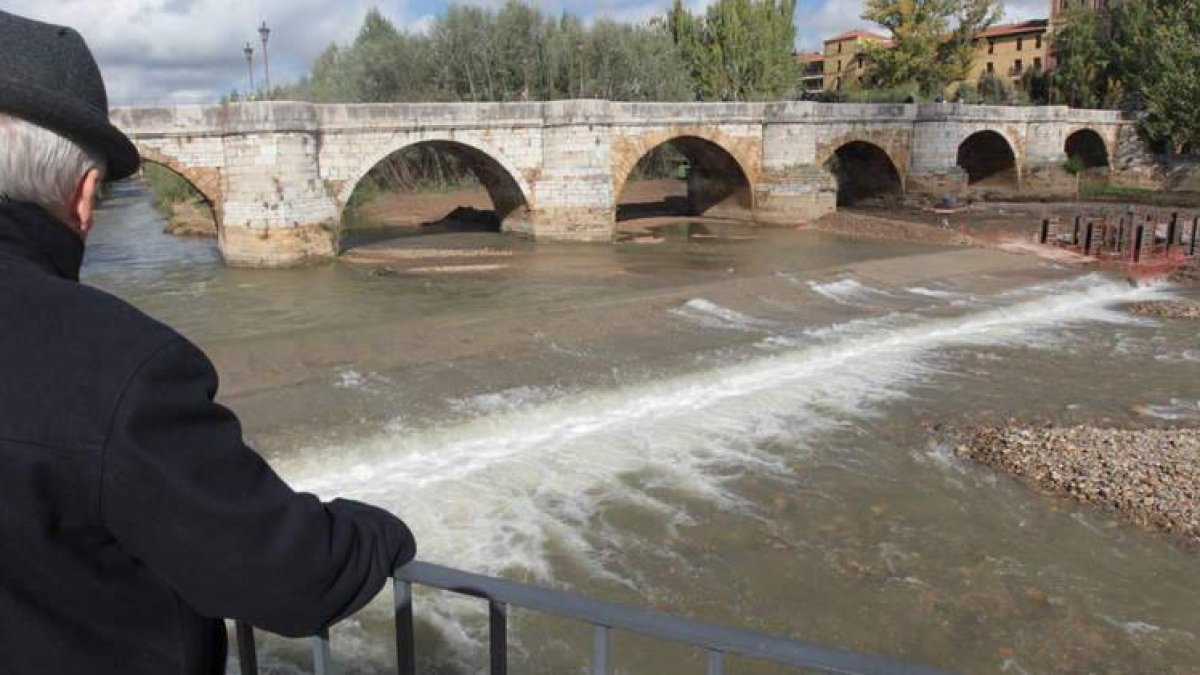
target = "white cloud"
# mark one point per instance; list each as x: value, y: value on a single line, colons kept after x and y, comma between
x: 166, y: 51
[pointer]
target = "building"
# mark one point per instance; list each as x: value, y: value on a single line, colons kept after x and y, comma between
x: 1006, y: 50
x: 812, y: 72
x: 845, y: 61
x: 1010, y: 50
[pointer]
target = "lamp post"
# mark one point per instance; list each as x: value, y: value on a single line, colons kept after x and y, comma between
x: 249, y: 52
x: 265, y: 33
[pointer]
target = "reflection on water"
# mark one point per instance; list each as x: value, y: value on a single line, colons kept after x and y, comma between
x: 785, y: 482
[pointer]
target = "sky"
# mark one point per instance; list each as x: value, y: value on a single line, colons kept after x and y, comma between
x: 181, y: 51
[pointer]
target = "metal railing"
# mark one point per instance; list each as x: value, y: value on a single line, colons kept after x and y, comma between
x: 604, y: 617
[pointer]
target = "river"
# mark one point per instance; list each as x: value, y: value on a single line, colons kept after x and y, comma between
x: 733, y: 428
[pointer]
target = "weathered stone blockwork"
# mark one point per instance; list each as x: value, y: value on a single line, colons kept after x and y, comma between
x: 279, y: 174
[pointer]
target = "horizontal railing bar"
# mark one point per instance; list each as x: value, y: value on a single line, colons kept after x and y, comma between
x: 663, y: 626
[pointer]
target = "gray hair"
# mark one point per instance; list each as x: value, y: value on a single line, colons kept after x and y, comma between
x: 40, y: 166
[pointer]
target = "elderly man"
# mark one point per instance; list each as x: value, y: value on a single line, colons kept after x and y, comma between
x: 132, y: 516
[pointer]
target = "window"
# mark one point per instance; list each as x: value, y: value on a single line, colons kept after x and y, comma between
x: 1037, y: 63
x: 991, y: 46
x: 1020, y: 43
x: 1018, y: 67
x: 839, y: 48
x: 1037, y: 42
x: 991, y: 67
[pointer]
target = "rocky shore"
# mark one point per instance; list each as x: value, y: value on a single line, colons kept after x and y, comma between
x: 1150, y: 476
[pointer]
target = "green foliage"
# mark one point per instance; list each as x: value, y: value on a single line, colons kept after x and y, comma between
x: 1083, y: 61
x: 932, y: 41
x: 169, y: 188
x: 1075, y: 165
x: 515, y: 53
x: 1156, y: 58
x: 739, y: 50
x: 995, y: 90
x: 909, y: 93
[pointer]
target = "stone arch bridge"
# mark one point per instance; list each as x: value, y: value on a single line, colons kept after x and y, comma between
x: 279, y: 174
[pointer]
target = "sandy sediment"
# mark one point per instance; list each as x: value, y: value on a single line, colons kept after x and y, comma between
x: 1150, y: 476
x: 859, y: 225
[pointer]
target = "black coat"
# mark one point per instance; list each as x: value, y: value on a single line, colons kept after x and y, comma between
x: 132, y: 515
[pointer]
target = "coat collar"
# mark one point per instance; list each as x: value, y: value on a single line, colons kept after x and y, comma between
x: 29, y: 232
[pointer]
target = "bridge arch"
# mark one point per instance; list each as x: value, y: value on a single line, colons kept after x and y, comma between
x: 990, y: 159
x: 1088, y: 147
x: 206, y: 180
x: 720, y: 173
x: 863, y: 170
x: 507, y: 187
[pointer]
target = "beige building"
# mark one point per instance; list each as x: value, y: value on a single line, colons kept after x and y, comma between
x: 812, y: 71
x: 845, y: 62
x: 1006, y: 50
x: 1010, y: 50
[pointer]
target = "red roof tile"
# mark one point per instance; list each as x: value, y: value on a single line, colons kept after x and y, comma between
x: 1000, y: 30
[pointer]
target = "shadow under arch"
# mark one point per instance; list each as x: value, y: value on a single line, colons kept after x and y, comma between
x: 1088, y: 147
x: 716, y: 183
x: 864, y: 171
x: 505, y: 187
x: 989, y: 160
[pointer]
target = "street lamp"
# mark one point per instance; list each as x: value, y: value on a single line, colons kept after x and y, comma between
x: 249, y: 52
x: 265, y: 33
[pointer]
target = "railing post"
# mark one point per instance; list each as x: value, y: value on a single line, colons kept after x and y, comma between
x: 1044, y: 235
x: 1087, y: 240
x: 247, y: 654
x: 601, y: 650
x: 322, y: 655
x: 1195, y: 227
x: 406, y: 646
x: 716, y: 662
x: 498, y: 629
x: 1137, y: 244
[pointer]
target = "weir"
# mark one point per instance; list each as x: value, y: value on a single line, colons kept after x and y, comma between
x: 280, y: 174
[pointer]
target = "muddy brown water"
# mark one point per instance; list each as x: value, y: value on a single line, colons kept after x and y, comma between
x: 727, y: 423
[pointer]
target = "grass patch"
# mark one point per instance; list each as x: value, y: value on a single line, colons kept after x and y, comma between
x: 1104, y: 192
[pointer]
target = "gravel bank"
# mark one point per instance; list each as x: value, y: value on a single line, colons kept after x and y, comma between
x: 1168, y: 309
x: 1151, y: 476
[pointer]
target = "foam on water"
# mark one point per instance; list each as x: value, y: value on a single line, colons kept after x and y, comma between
x: 498, y: 492
x: 712, y: 315
x: 847, y: 291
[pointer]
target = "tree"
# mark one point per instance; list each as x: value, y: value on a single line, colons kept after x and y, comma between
x: 740, y: 49
x: 1083, y: 61
x: 1157, y: 64
x: 932, y: 41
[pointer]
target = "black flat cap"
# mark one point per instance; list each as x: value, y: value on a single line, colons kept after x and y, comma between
x: 49, y: 77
